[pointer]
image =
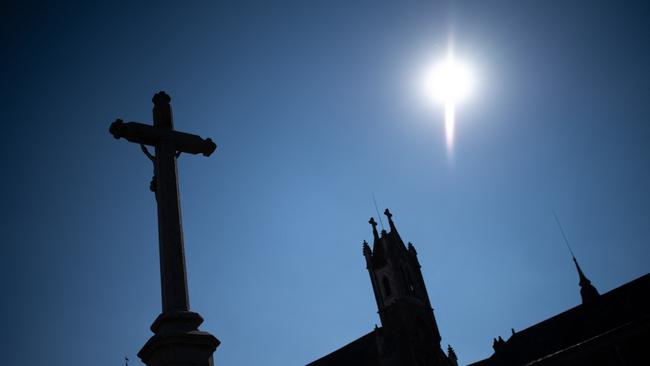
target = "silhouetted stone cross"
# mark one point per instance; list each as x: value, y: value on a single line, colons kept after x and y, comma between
x: 374, y: 228
x: 177, y: 339
x: 388, y: 214
x: 168, y: 144
x: 373, y: 222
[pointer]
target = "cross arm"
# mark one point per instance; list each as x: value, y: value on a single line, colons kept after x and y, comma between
x: 141, y: 133
x: 135, y: 132
x: 193, y: 144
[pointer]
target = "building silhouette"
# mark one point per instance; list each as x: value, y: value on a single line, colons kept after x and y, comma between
x: 409, y: 334
x: 608, y: 329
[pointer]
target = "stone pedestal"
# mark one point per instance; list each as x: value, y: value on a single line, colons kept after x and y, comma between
x: 177, y: 341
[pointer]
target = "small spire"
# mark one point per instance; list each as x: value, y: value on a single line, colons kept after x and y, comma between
x: 374, y: 228
x: 366, y: 249
x: 498, y: 344
x: 587, y: 291
x: 583, y: 279
x: 451, y: 353
x: 411, y: 249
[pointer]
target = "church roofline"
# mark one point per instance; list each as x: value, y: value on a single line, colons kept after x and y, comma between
x: 353, y: 348
x: 604, y: 298
x: 538, y: 332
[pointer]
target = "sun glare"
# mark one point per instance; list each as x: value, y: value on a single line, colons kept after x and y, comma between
x: 449, y: 83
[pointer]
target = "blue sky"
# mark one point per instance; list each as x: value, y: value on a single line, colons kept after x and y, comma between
x: 314, y: 108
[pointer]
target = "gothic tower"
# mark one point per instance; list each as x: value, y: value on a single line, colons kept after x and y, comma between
x: 409, y: 331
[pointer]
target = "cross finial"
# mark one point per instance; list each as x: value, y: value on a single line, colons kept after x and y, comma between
x: 390, y: 221
x: 388, y: 214
x: 374, y: 227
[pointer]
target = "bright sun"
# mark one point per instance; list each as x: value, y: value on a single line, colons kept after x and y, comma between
x: 449, y: 82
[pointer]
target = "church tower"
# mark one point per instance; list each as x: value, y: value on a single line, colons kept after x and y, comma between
x: 409, y: 330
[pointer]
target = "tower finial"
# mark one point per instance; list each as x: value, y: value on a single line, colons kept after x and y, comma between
x: 390, y: 221
x: 374, y: 227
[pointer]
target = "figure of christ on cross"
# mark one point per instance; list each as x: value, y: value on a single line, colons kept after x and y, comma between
x: 177, y: 340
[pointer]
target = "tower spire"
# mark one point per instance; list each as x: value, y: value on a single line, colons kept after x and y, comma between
x: 451, y: 354
x: 366, y: 249
x: 587, y: 291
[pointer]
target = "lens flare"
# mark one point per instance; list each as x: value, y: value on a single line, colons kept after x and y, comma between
x: 450, y: 126
x: 449, y: 83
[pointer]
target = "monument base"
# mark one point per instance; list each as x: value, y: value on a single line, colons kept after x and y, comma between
x: 178, y: 342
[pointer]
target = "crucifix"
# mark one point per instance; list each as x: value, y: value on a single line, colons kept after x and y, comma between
x: 177, y: 326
